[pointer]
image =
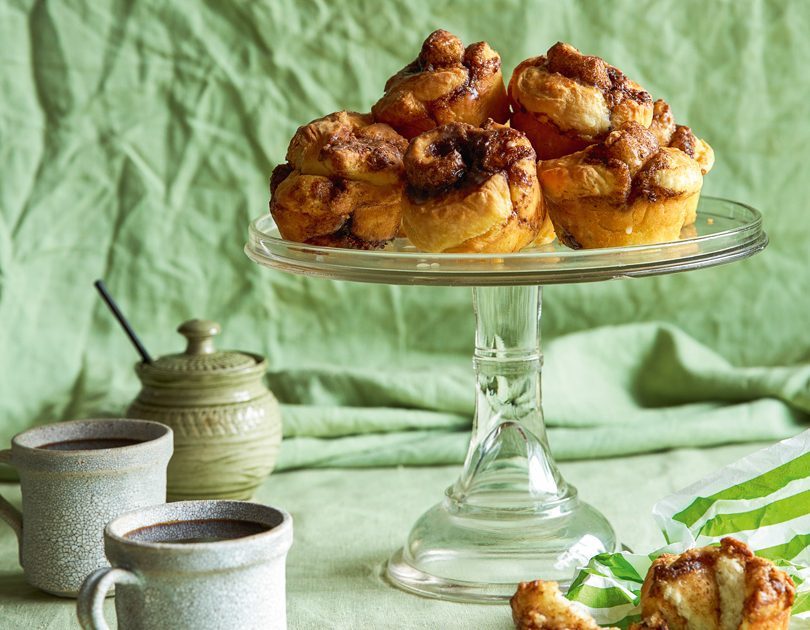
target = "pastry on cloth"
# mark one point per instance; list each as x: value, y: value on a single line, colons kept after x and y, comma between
x: 445, y: 83
x: 342, y: 185
x: 472, y: 189
x: 626, y: 190
x: 715, y: 588
x: 680, y: 137
x: 564, y: 101
x: 723, y: 587
x: 540, y: 605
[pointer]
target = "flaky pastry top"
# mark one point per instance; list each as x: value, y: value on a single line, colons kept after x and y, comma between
x: 578, y: 93
x: 458, y: 155
x: 670, y: 134
x: 349, y: 145
x: 446, y: 82
x: 472, y: 189
x: 342, y: 184
x: 626, y: 165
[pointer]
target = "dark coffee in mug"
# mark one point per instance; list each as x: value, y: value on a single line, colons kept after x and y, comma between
x: 89, y: 444
x: 197, y: 531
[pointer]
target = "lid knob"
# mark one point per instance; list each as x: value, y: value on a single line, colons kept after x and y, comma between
x: 199, y: 333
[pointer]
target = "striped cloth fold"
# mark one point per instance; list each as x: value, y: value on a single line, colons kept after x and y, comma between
x: 762, y: 499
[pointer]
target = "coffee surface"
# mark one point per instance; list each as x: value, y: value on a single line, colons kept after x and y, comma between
x: 197, y: 531
x: 90, y: 444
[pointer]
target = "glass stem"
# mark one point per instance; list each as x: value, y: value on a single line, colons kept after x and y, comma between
x: 508, y: 464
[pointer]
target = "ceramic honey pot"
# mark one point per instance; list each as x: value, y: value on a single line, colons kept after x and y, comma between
x: 226, y: 423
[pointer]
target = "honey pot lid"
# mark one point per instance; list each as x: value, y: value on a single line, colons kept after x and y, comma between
x: 200, y: 355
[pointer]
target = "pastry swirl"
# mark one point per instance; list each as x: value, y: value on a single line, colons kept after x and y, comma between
x: 472, y: 189
x: 626, y: 190
x: 342, y: 184
x: 564, y: 100
x: 445, y: 83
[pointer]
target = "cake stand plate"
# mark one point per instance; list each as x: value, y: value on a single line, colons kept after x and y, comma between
x: 510, y: 516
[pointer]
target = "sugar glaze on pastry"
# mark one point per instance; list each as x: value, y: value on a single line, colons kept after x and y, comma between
x: 472, y: 189
x: 342, y: 185
x: 445, y: 83
x: 564, y: 100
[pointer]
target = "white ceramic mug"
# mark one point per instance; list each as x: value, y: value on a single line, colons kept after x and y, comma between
x: 193, y: 564
x: 75, y: 477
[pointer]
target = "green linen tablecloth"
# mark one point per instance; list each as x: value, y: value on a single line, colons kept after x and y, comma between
x: 136, y: 142
x: 347, y: 522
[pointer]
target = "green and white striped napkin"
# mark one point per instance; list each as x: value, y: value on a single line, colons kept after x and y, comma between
x: 762, y: 499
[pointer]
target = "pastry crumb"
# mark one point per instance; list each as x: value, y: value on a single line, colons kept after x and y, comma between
x: 540, y: 605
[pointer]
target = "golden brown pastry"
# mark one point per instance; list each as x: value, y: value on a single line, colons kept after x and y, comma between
x: 342, y: 185
x: 715, y: 588
x: 540, y: 605
x: 445, y: 83
x: 626, y: 190
x: 546, y: 234
x: 564, y: 101
x: 472, y: 189
x: 680, y: 137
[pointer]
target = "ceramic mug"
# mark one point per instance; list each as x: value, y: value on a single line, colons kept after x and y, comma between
x: 193, y: 564
x: 74, y: 477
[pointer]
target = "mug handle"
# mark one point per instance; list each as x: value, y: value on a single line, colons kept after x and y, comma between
x: 90, y: 605
x: 8, y: 512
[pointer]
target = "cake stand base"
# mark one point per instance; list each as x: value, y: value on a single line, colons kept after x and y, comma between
x: 480, y: 558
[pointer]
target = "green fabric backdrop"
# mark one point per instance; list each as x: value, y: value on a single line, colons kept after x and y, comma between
x: 136, y: 141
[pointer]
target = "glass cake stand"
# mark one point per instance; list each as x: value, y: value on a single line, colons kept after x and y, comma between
x: 510, y: 516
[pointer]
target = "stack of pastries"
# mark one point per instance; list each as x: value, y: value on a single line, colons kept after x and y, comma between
x: 455, y: 161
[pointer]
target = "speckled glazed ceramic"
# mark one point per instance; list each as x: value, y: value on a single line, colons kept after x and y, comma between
x: 227, y: 424
x: 238, y: 581
x: 68, y: 496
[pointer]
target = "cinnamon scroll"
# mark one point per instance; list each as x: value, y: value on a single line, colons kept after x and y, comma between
x: 445, y: 83
x: 342, y: 184
x: 564, y: 100
x: 472, y: 189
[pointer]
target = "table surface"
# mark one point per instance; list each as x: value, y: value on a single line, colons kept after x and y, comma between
x: 348, y: 521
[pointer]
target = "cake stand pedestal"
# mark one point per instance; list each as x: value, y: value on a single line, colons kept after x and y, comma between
x: 510, y: 516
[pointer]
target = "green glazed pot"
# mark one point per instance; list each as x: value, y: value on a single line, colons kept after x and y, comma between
x: 226, y: 423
